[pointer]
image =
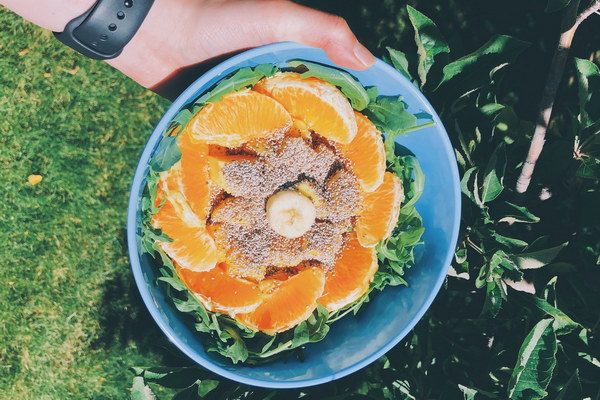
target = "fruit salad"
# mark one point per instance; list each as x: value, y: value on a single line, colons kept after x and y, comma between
x: 276, y: 206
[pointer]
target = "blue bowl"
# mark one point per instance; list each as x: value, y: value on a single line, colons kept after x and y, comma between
x: 353, y: 342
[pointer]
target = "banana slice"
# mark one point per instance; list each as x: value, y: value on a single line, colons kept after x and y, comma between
x: 290, y: 214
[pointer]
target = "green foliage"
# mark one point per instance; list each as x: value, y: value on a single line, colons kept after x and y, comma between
x: 168, y: 154
x: 535, y: 363
x: 244, y: 77
x: 429, y: 40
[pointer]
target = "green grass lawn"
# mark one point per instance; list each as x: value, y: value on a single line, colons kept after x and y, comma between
x: 71, y: 321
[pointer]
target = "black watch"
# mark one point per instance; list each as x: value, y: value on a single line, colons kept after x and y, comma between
x: 103, y: 31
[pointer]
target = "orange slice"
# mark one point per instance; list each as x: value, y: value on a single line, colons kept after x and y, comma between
x: 381, y: 209
x: 238, y: 118
x: 289, y: 303
x: 192, y: 247
x: 319, y: 104
x: 194, y: 174
x: 366, y: 154
x: 218, y: 291
x: 350, y: 277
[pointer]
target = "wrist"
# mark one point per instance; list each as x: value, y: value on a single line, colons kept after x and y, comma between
x: 147, y: 47
x: 49, y: 14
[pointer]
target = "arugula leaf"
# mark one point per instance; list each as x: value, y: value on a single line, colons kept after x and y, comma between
x: 242, y: 78
x: 430, y: 42
x: 350, y: 86
x: 535, y: 363
x: 168, y: 154
x: 390, y: 116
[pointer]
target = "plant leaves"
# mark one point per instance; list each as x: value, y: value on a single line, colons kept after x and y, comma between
x: 572, y: 390
x: 168, y: 154
x: 535, y: 363
x: 430, y: 42
x: 493, y: 175
x: 468, y: 393
x: 390, y: 116
x: 399, y: 61
x: 350, y: 86
x: 555, y: 5
x: 588, y: 76
x: 478, y: 66
x: 538, y: 259
x: 561, y: 324
x: 518, y: 214
x: 141, y: 391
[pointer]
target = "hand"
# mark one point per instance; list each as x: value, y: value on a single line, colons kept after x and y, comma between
x: 181, y: 33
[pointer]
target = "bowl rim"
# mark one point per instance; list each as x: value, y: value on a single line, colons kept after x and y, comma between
x: 139, y: 177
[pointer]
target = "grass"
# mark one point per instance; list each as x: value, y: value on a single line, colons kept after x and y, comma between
x: 72, y: 321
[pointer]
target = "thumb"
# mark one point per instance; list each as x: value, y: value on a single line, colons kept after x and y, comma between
x: 293, y: 22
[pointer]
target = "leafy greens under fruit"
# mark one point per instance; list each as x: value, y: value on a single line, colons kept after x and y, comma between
x: 225, y: 335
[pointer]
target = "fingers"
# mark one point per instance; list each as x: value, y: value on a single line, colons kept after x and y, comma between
x: 292, y: 22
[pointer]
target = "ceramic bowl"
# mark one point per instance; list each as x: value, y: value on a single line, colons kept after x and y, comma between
x: 353, y: 342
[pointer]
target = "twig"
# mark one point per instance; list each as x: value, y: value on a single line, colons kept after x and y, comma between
x: 569, y: 24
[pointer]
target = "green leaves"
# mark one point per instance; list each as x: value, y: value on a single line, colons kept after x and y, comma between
x: 429, y: 40
x: 399, y: 61
x: 389, y: 114
x: 539, y: 258
x: 561, y: 323
x: 349, y: 85
x: 535, y: 363
x: 588, y: 76
x: 555, y: 5
x: 242, y: 78
x: 168, y: 154
x: 493, y: 175
x: 478, y: 66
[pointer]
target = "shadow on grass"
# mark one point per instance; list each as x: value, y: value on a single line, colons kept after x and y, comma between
x: 125, y: 319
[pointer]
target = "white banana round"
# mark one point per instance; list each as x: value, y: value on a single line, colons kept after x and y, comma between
x: 290, y: 213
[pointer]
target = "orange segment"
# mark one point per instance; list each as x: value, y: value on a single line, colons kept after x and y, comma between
x: 319, y: 104
x: 192, y: 247
x: 218, y: 291
x: 381, y: 210
x: 367, y: 154
x: 237, y: 118
x: 350, y: 277
x: 194, y: 174
x: 290, y: 303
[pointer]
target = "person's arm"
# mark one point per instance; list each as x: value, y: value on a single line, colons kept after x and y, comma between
x: 180, y: 33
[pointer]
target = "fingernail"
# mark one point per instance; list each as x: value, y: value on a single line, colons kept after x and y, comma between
x: 363, y: 55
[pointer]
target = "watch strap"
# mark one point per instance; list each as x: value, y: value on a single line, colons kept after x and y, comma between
x: 103, y: 31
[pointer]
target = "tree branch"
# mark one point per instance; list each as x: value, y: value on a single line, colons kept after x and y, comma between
x: 569, y: 24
